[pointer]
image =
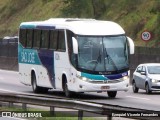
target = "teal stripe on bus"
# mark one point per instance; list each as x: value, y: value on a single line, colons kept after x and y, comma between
x: 28, y: 56
x: 27, y: 26
x: 93, y: 77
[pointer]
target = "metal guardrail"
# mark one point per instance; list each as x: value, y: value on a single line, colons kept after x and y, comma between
x: 101, y: 109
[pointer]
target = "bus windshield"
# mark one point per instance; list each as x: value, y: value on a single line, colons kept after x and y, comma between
x: 102, y: 53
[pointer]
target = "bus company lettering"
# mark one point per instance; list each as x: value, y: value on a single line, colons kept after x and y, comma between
x: 28, y: 57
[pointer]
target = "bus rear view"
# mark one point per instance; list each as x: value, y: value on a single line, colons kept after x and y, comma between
x: 95, y: 56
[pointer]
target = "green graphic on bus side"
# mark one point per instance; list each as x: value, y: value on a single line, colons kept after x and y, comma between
x: 28, y: 56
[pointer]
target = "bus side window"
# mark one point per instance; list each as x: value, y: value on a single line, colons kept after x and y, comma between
x: 72, y: 56
x: 70, y: 34
x: 23, y: 37
x: 36, y: 38
x: 45, y: 39
x: 61, y: 41
x: 53, y: 39
x: 29, y: 38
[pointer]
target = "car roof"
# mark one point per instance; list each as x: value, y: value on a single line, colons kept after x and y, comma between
x: 150, y: 64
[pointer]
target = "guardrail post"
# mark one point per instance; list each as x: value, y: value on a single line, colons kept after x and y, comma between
x: 109, y: 117
x: 52, y: 109
x: 80, y: 114
x: 24, y: 106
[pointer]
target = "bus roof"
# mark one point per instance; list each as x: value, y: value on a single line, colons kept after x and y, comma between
x: 78, y: 26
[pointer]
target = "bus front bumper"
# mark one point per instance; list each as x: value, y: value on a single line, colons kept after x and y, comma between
x: 83, y: 86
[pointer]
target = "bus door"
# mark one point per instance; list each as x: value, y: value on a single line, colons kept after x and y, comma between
x: 61, y: 60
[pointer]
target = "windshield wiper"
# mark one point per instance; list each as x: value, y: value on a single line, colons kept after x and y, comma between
x: 110, y: 59
x: 154, y: 73
x: 98, y: 59
x: 125, y: 55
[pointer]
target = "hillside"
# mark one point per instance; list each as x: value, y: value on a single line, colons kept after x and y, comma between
x: 135, y: 16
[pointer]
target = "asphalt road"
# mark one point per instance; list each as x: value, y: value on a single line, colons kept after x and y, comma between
x: 9, y: 83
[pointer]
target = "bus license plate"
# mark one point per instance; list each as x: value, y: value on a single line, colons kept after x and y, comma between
x: 105, y: 87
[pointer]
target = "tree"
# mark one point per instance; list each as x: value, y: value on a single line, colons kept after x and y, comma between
x: 98, y: 8
x: 77, y: 8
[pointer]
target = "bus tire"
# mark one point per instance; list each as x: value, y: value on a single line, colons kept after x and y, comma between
x: 67, y: 92
x: 36, y: 89
x: 112, y: 94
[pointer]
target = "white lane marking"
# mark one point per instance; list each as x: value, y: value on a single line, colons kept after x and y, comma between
x: 4, y: 90
x: 138, y: 98
x: 8, y: 71
x: 11, y: 91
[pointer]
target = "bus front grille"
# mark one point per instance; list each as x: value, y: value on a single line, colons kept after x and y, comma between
x: 105, y: 81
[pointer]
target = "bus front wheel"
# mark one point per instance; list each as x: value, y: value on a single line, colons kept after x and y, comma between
x: 67, y: 92
x: 112, y: 94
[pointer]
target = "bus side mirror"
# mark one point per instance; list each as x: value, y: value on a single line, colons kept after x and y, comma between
x: 75, y: 45
x: 131, y: 45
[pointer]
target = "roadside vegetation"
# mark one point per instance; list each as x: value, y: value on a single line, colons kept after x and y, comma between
x: 135, y: 16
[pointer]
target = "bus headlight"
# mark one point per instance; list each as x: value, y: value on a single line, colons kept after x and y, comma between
x: 83, y: 78
x: 125, y: 78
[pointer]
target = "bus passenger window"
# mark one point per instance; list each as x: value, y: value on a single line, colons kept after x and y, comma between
x: 37, y: 37
x: 61, y: 41
x: 45, y: 39
x: 23, y: 37
x: 53, y: 39
x: 29, y: 38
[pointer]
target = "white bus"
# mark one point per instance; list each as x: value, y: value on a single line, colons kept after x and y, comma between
x: 74, y: 55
